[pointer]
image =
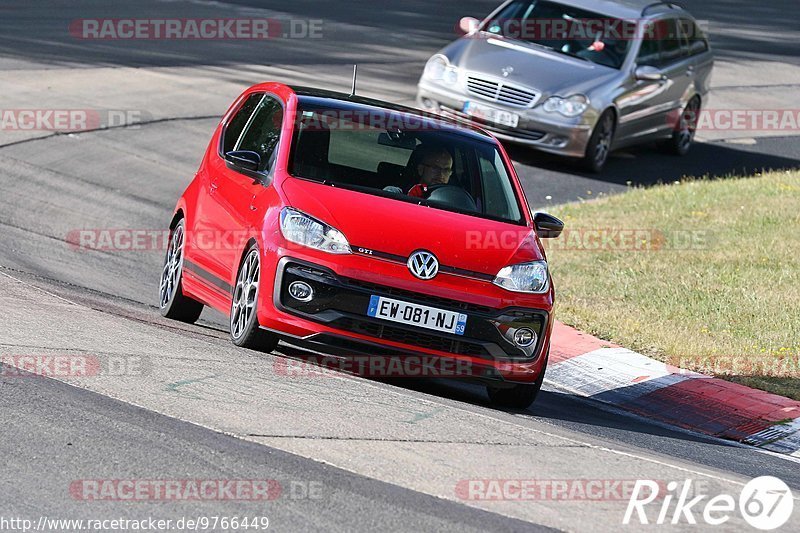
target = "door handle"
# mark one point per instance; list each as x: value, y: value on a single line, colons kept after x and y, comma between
x: 690, y: 71
x: 214, y: 186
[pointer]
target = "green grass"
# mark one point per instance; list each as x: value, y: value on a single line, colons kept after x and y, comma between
x: 712, y: 283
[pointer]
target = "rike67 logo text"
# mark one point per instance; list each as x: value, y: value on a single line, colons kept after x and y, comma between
x: 766, y: 503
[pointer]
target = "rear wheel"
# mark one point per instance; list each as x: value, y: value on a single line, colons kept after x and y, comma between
x: 685, y: 129
x: 244, y: 327
x: 600, y: 143
x: 173, y: 303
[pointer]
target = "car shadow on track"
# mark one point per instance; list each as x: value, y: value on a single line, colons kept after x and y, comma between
x: 559, y: 408
x: 566, y: 410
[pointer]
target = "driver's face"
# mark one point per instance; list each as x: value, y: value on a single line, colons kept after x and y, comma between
x: 436, y: 169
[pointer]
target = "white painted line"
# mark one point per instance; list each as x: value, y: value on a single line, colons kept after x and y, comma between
x: 9, y: 276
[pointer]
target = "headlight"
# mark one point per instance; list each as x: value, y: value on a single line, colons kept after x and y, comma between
x: 569, y: 107
x: 302, y: 229
x: 525, y: 277
x: 439, y: 68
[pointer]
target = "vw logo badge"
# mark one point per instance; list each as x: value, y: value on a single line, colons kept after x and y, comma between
x: 423, y: 264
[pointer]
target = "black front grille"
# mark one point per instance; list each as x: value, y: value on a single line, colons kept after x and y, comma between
x: 414, y: 338
x: 501, y: 92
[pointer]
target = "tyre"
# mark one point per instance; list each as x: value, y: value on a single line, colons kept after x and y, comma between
x: 599, y: 146
x: 173, y: 303
x: 244, y: 328
x: 519, y: 396
x: 685, y: 129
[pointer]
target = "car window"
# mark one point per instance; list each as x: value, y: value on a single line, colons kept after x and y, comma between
x: 263, y: 132
x: 566, y: 30
x: 381, y: 152
x: 236, y: 125
x: 672, y: 47
x: 663, y: 43
x: 698, y: 44
x: 496, y: 198
x: 650, y: 49
x: 361, y: 150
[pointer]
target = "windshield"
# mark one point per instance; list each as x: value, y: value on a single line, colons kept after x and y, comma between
x: 566, y: 30
x: 403, y: 157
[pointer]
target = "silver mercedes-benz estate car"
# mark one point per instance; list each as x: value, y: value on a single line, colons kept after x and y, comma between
x: 578, y: 78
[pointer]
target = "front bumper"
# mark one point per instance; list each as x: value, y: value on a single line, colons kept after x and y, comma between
x: 540, y: 130
x: 337, y: 319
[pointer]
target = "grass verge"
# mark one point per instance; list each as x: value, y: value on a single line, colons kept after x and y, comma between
x: 701, y: 274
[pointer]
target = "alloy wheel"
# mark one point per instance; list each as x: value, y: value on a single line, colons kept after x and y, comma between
x: 604, y: 140
x: 173, y: 266
x: 245, y: 294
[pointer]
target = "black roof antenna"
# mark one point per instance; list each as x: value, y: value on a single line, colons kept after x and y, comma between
x: 355, y: 74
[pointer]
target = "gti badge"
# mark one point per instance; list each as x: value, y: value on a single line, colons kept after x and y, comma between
x: 423, y: 264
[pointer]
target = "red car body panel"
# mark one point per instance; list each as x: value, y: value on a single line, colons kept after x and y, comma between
x: 225, y: 211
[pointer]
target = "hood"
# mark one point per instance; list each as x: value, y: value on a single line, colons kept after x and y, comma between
x: 548, y: 72
x: 400, y: 228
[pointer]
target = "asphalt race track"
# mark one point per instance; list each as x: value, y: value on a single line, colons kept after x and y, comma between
x: 379, y: 454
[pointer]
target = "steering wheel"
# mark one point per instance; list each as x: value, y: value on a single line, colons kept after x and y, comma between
x: 451, y: 195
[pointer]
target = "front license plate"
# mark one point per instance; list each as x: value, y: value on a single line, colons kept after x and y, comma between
x: 417, y: 315
x: 498, y: 116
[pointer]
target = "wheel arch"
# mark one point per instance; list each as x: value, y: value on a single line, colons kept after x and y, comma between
x: 177, y: 217
x: 250, y: 242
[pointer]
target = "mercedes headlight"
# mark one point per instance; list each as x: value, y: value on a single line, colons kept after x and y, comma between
x: 524, y: 277
x: 300, y: 228
x: 439, y: 68
x: 569, y: 107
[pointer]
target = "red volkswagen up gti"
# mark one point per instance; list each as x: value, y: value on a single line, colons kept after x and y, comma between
x: 356, y: 227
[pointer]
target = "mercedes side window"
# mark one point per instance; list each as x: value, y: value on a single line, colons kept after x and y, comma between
x: 698, y: 44
x: 263, y: 132
x: 650, y: 49
x: 237, y: 124
x: 673, y: 46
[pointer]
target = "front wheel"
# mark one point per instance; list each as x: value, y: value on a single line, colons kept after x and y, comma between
x: 173, y: 303
x: 244, y: 327
x: 519, y: 396
x: 599, y: 146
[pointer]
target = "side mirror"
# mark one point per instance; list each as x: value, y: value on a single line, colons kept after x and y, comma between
x: 244, y: 159
x: 648, y: 73
x: 547, y: 226
x: 468, y: 24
